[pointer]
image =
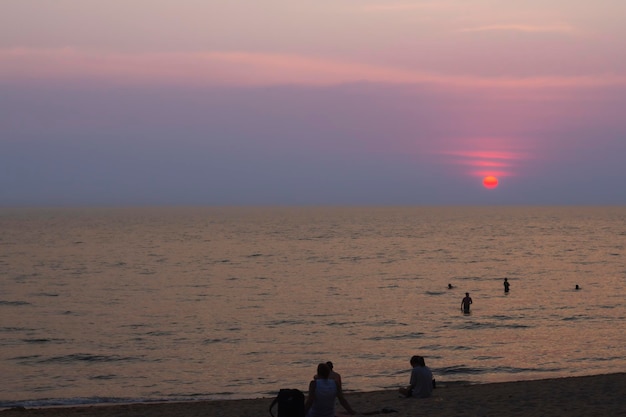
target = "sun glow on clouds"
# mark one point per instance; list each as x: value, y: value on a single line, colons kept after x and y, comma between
x: 488, y: 163
x: 249, y: 69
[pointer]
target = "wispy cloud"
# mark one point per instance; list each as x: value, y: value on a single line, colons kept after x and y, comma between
x: 251, y: 69
x: 402, y: 7
x: 560, y: 28
x: 488, y: 155
x: 486, y: 162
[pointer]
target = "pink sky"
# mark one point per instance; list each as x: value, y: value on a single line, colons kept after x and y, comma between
x: 402, y: 91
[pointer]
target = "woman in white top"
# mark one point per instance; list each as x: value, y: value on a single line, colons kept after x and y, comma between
x: 322, y: 393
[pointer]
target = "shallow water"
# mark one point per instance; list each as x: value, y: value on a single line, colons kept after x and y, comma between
x: 152, y: 304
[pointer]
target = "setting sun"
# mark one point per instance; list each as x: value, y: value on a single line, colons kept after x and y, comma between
x: 490, y: 182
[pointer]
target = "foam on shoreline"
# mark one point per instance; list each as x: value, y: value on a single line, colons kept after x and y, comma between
x: 603, y: 395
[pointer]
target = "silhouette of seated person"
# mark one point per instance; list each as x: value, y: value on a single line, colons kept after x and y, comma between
x: 323, y: 390
x: 421, y: 382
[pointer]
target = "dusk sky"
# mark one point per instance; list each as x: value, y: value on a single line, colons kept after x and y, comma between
x: 312, y: 102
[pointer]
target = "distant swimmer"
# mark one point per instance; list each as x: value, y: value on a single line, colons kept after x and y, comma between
x: 450, y: 286
x: 506, y: 285
x: 465, y: 304
x: 577, y: 287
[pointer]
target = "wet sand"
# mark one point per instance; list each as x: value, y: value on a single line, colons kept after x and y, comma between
x: 599, y: 395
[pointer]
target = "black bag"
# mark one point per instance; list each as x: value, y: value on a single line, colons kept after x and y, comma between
x: 290, y: 403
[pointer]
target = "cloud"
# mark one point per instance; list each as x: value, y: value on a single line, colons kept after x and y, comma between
x: 402, y: 7
x: 486, y: 162
x: 240, y: 68
x: 561, y: 28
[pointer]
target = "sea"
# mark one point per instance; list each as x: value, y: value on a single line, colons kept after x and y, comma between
x: 156, y: 304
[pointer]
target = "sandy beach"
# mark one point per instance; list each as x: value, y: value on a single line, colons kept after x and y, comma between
x: 599, y: 395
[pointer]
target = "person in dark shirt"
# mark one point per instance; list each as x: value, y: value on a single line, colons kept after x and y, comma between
x: 465, y: 303
x: 421, y: 383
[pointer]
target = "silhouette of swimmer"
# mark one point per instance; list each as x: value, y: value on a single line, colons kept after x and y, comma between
x: 465, y: 304
x: 506, y: 285
x: 577, y: 287
x: 450, y: 286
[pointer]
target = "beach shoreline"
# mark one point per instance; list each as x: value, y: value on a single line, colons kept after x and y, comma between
x: 572, y: 396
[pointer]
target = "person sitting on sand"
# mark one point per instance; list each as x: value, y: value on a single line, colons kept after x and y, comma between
x: 334, y: 375
x: 465, y: 303
x: 322, y: 393
x: 421, y: 383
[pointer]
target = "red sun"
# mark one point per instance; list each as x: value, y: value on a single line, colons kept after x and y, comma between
x: 490, y: 182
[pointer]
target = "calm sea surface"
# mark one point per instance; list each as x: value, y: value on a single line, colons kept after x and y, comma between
x: 156, y: 304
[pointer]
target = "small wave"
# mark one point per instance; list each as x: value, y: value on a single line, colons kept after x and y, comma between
x: 41, y: 341
x: 341, y: 323
x: 482, y: 325
x: 219, y: 340
x: 431, y: 348
x: 279, y: 323
x: 513, y: 326
x: 578, y: 317
x: 487, y: 358
x: 512, y: 370
x: 86, y: 357
x: 469, y: 370
x: 135, y: 326
x: 415, y: 335
x: 103, y: 377
x: 70, y: 313
x: 384, y: 323
x: 68, y: 402
x: 607, y: 359
x: 25, y: 359
x: 352, y: 258
x: 159, y: 333
x: 470, y: 278
x: 13, y: 303
x: 460, y: 370
x: 14, y: 329
x: 461, y: 348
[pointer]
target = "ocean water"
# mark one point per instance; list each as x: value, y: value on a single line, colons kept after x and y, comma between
x: 176, y: 304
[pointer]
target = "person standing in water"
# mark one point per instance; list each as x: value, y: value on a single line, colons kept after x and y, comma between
x: 506, y: 285
x: 465, y: 304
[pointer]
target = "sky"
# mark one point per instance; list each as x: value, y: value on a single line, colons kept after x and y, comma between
x: 312, y: 102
